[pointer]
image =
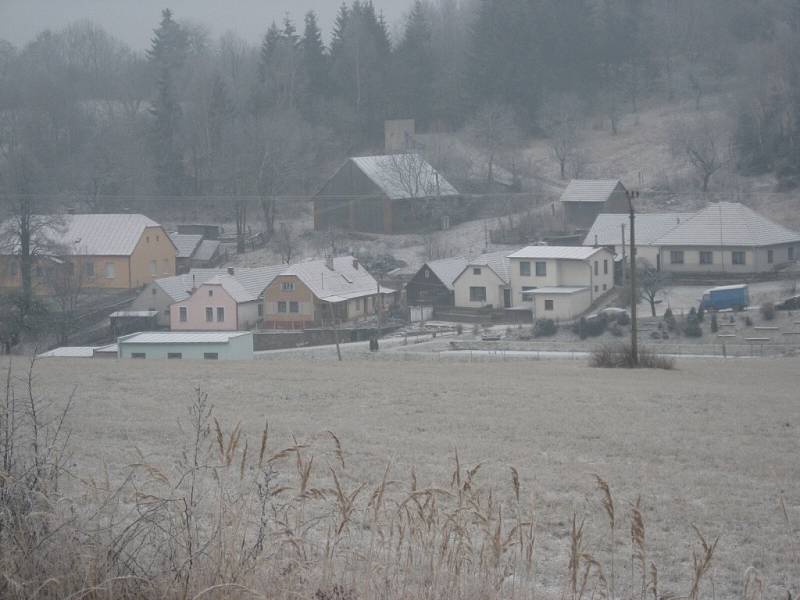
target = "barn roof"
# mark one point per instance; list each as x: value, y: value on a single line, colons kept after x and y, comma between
x: 728, y: 224
x: 186, y: 243
x: 403, y: 176
x: 589, y: 190
x: 447, y: 269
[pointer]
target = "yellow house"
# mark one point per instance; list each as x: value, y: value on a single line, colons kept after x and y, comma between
x: 115, y: 251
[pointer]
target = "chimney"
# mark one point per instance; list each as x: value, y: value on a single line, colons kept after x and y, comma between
x: 194, y: 286
x: 329, y: 262
x: 355, y: 264
x: 230, y: 271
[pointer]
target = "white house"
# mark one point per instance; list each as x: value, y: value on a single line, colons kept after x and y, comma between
x: 484, y: 281
x: 560, y: 282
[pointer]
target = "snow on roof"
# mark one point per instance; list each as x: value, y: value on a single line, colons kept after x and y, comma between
x: 234, y: 289
x: 206, y: 250
x: 402, y: 176
x: 133, y: 313
x: 344, y: 282
x: 175, y: 337
x: 556, y: 290
x: 728, y: 224
x: 589, y: 190
x: 447, y: 269
x: 91, y: 234
x: 496, y: 261
x: 607, y: 228
x: 185, y: 243
x: 556, y: 252
x: 722, y: 288
x: 69, y: 352
x: 253, y: 280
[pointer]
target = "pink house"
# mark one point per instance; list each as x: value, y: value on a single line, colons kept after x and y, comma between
x: 220, y: 304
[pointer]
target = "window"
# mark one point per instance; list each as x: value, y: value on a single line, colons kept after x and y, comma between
x: 147, y: 239
x: 110, y: 271
x: 153, y: 267
x: 210, y: 293
x: 209, y: 314
x: 220, y: 314
x: 294, y: 307
x: 287, y: 286
x: 153, y: 291
x: 427, y: 273
x: 358, y: 303
x: 138, y: 355
x: 174, y: 355
x: 596, y: 288
x: 605, y: 287
x: 770, y: 257
x: 706, y: 257
x: 476, y: 271
x: 88, y: 269
x: 596, y: 268
x: 211, y: 355
x: 738, y: 257
x: 605, y: 268
x: 166, y: 266
x: 791, y: 253
x: 548, y: 305
x: 281, y: 306
x: 260, y: 309
x: 541, y: 269
x: 477, y: 294
x: 525, y: 268
x: 676, y: 257
x: 183, y: 313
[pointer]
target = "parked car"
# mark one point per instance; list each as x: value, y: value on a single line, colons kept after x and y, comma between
x: 734, y: 297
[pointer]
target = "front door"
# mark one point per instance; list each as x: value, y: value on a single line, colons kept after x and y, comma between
x: 507, y: 298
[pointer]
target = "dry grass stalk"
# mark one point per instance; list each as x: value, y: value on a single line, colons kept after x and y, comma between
x: 701, y: 562
x: 638, y: 546
x: 608, y: 506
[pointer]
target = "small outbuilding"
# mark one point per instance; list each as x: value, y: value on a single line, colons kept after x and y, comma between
x: 584, y: 199
x: 432, y: 285
x: 207, y: 345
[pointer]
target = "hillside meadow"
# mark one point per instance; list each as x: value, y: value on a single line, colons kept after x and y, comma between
x: 712, y: 445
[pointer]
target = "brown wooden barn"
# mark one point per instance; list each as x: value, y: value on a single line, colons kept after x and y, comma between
x: 392, y: 193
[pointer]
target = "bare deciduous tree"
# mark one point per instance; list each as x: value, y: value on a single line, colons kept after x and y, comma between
x: 651, y: 282
x: 285, y: 243
x: 705, y: 145
x: 561, y: 117
x: 494, y: 130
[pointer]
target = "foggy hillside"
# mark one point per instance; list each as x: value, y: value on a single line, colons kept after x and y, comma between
x: 546, y: 90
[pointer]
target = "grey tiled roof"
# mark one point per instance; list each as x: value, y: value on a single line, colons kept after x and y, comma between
x: 251, y: 280
x: 447, y: 269
x: 206, y: 250
x: 728, y: 224
x: 185, y: 243
x: 607, y: 231
x: 345, y: 281
x: 497, y: 261
x: 589, y: 190
x: 93, y: 234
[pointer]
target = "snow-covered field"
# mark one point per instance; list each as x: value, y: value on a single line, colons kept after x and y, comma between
x: 712, y: 444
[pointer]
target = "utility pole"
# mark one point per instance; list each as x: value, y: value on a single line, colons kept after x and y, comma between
x: 622, y: 278
x: 634, y: 295
x: 335, y: 331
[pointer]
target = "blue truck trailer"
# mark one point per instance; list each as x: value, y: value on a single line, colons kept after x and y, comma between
x: 735, y: 297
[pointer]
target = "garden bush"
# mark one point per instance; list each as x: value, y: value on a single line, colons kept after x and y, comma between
x: 544, y: 328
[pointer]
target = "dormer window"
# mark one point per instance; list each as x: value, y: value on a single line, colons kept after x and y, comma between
x: 287, y: 286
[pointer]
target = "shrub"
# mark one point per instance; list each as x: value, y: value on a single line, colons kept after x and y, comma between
x: 692, y: 327
x: 656, y: 335
x: 619, y: 355
x: 544, y: 328
x: 701, y: 313
x: 747, y: 321
x: 669, y: 319
x: 768, y: 311
x: 592, y: 327
x: 714, y: 324
x: 615, y: 330
x: 623, y: 319
x: 459, y: 329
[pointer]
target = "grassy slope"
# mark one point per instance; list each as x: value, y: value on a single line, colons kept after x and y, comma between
x: 712, y: 444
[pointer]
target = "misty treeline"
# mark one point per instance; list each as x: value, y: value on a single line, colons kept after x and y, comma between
x: 82, y: 114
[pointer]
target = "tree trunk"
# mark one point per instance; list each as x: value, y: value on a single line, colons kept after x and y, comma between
x: 563, y: 164
x: 653, y: 306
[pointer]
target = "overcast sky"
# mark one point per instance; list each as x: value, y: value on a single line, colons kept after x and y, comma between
x: 133, y: 21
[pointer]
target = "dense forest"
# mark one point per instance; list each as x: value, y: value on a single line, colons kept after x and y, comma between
x: 82, y: 114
